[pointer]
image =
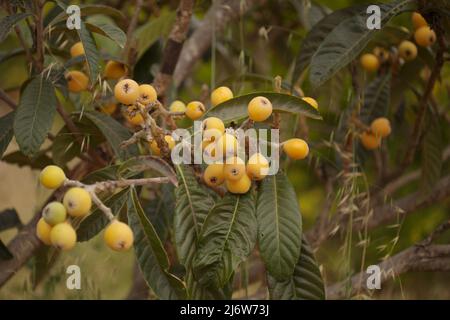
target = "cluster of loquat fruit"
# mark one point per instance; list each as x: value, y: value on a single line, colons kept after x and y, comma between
x: 379, y: 128
x: 55, y: 227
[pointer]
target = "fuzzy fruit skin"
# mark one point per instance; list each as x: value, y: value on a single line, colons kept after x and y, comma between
x: 257, y: 166
x: 312, y: 102
x: 77, y: 201
x: 370, y: 62
x: 214, y: 175
x: 136, y: 119
x: 221, y: 95
x: 147, y: 94
x: 213, y: 128
x: 418, y: 20
x: 177, y: 106
x: 43, y: 230
x: 259, y: 109
x: 109, y: 108
x: 195, y: 109
x: 114, y: 70
x: 296, y: 149
x: 228, y: 144
x: 240, y: 186
x: 126, y: 91
x: 370, y: 141
x: 234, y: 168
x: 154, y: 145
x: 118, y: 236
x: 76, y: 50
x: 381, y: 53
x: 52, y: 177
x: 425, y: 36
x: 54, y: 213
x: 77, y: 81
x: 63, y: 236
x: 407, y: 50
x: 381, y: 127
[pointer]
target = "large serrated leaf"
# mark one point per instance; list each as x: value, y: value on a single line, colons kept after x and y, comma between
x: 97, y: 220
x: 44, y: 259
x: 8, y: 22
x: 197, y: 291
x: 90, y: 51
x: 376, y: 98
x: 6, y: 131
x: 114, y: 132
x: 236, y: 108
x: 140, y: 164
x: 193, y: 204
x: 279, y: 225
x: 346, y: 41
x: 151, y: 256
x: 108, y: 30
x: 227, y: 238
x: 317, y: 34
x: 34, y: 116
x: 305, y: 283
x: 160, y: 211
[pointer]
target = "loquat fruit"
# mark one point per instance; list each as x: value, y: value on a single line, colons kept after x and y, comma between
x: 52, y: 177
x: 370, y: 141
x: 381, y: 127
x: 195, y: 109
x: 54, y: 213
x: 425, y: 36
x: 118, y: 236
x: 114, y: 70
x: 177, y: 106
x: 154, y: 145
x: 76, y: 50
x: 370, y: 62
x: 418, y: 20
x: 77, y: 201
x: 126, y: 91
x: 221, y: 95
x: 240, y: 186
x: 214, y: 175
x: 77, y: 81
x: 212, y: 128
x: 312, y: 102
x: 257, y: 166
x: 296, y: 148
x: 234, y: 168
x: 228, y: 144
x: 134, y: 118
x: 63, y: 236
x: 147, y: 94
x: 109, y: 108
x: 43, y: 230
x: 407, y: 50
x: 381, y: 53
x: 259, y: 109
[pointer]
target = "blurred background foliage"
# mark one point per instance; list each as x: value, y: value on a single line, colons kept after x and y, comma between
x: 246, y: 56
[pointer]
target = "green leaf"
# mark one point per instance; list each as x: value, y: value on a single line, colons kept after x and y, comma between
x: 151, y: 256
x: 108, y: 30
x: 197, y: 291
x: 279, y: 226
x: 5, y: 254
x: 90, y: 51
x: 227, y: 238
x: 193, y: 204
x: 236, y: 108
x: 376, y: 98
x: 317, y: 34
x: 97, y: 220
x: 39, y: 161
x: 106, y: 173
x: 114, y: 132
x: 160, y: 211
x: 34, y: 116
x: 346, y: 41
x: 9, y: 219
x: 306, y: 282
x: 8, y: 22
x: 140, y: 164
x: 153, y: 30
x: 6, y: 131
x: 44, y: 260
x: 432, y: 148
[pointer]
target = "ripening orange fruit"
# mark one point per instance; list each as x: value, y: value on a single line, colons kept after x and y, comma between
x: 114, y: 70
x: 370, y: 141
x: 425, y: 36
x: 370, y: 62
x: 418, y: 20
x: 381, y: 127
x: 77, y: 81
